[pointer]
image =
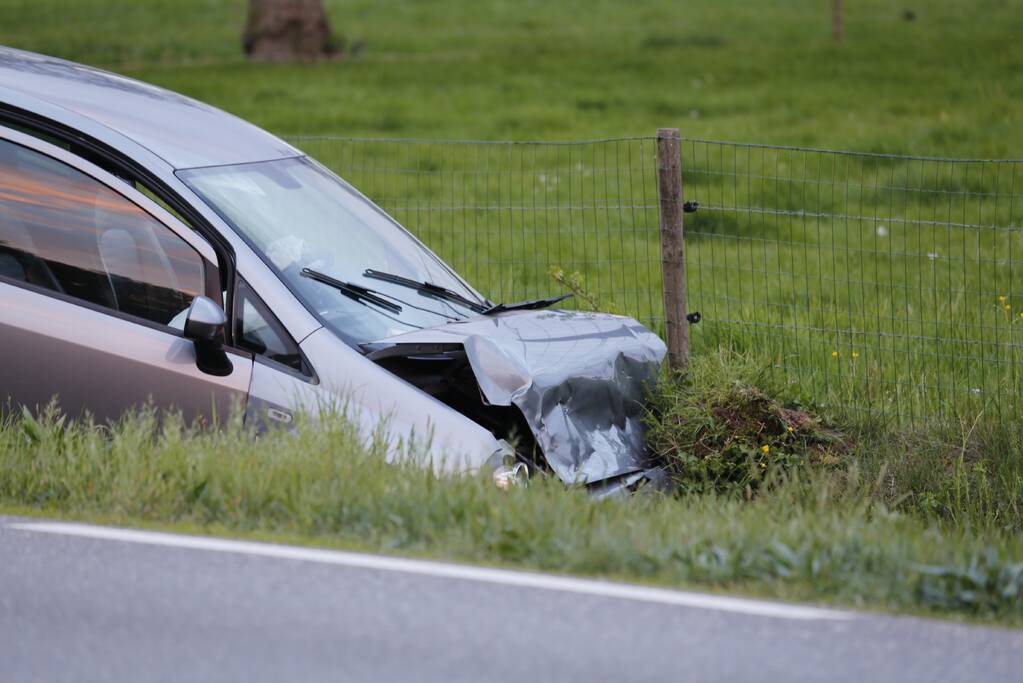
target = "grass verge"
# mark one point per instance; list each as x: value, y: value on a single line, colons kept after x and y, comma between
x: 827, y: 535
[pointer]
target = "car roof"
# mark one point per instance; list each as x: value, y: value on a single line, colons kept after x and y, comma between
x: 183, y: 132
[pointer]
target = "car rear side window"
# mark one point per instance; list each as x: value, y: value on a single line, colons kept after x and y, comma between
x: 63, y: 230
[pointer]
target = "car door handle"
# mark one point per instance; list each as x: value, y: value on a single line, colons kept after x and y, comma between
x: 279, y: 415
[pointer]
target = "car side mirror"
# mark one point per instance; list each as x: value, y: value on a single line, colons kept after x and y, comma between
x: 205, y: 321
x: 205, y: 325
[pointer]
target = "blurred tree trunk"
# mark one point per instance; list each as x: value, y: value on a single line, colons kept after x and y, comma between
x: 837, y: 21
x: 287, y: 30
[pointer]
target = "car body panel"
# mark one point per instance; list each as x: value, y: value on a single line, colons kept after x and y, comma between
x: 183, y: 132
x: 373, y: 396
x: 104, y: 364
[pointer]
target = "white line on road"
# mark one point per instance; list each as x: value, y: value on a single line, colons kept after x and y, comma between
x: 505, y: 577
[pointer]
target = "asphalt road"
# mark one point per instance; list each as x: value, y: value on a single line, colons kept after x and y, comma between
x: 81, y: 603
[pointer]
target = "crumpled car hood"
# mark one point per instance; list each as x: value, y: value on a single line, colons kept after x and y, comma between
x: 579, y: 379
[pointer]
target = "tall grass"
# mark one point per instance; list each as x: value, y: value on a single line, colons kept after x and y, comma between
x: 833, y: 535
x: 731, y: 415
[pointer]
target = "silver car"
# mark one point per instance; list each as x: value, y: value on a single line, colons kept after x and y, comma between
x: 153, y: 248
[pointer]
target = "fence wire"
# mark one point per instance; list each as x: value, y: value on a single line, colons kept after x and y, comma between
x: 874, y: 283
x: 879, y: 283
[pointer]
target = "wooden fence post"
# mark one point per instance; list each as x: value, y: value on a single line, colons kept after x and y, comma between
x: 673, y: 248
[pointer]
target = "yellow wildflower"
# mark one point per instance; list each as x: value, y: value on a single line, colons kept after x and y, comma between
x: 855, y: 354
x: 1002, y: 298
x: 790, y: 429
x: 834, y: 354
x: 763, y: 466
x: 765, y: 448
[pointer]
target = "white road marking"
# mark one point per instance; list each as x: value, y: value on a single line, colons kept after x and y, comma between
x: 505, y: 577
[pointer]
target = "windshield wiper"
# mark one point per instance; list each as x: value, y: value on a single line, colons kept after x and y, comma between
x: 529, y: 305
x: 427, y: 288
x: 353, y: 291
x: 430, y: 289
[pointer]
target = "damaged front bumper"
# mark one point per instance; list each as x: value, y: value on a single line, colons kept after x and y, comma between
x: 571, y: 385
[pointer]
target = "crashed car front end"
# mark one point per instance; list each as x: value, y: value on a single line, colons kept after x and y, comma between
x: 405, y: 337
x: 573, y: 383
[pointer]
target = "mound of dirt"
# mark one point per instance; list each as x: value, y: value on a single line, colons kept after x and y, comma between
x: 736, y: 437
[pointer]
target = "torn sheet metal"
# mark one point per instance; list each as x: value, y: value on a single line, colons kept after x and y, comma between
x: 580, y: 380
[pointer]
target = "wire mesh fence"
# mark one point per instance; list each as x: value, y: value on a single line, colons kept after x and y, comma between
x: 872, y: 283
x: 878, y: 283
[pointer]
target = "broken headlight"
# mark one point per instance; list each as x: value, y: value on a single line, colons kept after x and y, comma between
x: 506, y: 469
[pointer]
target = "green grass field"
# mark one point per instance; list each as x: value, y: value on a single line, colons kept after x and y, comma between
x: 856, y: 322
x: 946, y: 83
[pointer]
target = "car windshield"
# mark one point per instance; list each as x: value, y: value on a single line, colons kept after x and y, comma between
x: 322, y: 237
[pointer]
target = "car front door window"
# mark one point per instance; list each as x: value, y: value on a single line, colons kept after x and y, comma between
x: 64, y: 231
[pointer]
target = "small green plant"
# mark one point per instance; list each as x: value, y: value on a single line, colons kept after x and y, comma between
x: 585, y: 298
x: 983, y: 584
